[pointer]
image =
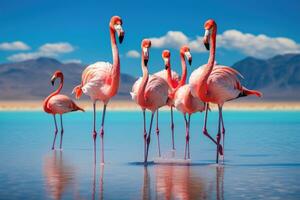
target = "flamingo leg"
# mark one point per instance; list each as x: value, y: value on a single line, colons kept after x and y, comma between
x: 157, y: 133
x: 145, y: 132
x: 186, y: 133
x: 55, y: 132
x: 94, y: 131
x: 187, y: 137
x: 189, y: 123
x: 172, y: 128
x: 219, y: 134
x: 61, y: 131
x: 205, y: 132
x: 148, y: 138
x: 223, y: 130
x: 102, y: 133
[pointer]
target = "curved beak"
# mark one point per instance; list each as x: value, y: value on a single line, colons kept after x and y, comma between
x: 121, y: 36
x: 145, y: 62
x: 167, y: 63
x: 145, y: 55
x: 206, y: 39
x: 188, y: 57
x: 53, y: 80
x: 120, y: 32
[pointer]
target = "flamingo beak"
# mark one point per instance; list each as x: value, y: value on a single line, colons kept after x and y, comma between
x: 121, y: 37
x: 188, y: 57
x: 145, y: 62
x: 206, y: 39
x: 190, y: 61
x: 167, y: 63
x: 119, y: 29
x: 53, y: 80
x: 146, y: 55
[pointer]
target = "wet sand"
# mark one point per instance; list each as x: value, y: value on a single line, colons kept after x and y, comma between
x: 118, y: 105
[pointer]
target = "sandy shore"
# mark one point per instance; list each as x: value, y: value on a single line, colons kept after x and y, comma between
x: 131, y: 106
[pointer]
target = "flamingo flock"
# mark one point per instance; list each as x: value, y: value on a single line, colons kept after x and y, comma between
x: 208, y: 84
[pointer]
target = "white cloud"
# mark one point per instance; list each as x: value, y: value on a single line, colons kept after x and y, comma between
x: 12, y: 46
x: 260, y: 46
x: 46, y: 50
x: 133, y: 54
x: 77, y: 61
x: 61, y: 47
x: 173, y: 39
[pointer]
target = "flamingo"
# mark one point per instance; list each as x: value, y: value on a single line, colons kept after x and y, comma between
x: 217, y: 84
x: 174, y: 82
x: 101, y: 80
x: 57, y: 103
x: 184, y: 101
x: 149, y: 92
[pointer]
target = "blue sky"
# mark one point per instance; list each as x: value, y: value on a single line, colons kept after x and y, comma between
x: 78, y: 31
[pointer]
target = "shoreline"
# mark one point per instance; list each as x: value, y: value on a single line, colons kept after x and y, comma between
x: 124, y: 105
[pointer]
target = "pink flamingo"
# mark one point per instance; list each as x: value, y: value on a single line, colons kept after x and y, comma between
x: 174, y: 82
x: 185, y: 102
x: 57, y: 103
x: 101, y: 80
x: 216, y: 84
x: 149, y: 92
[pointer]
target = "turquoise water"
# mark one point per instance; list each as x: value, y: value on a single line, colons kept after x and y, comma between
x: 261, y: 158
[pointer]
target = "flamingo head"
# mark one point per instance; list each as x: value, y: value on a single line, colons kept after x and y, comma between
x: 166, y: 57
x: 146, y: 44
x: 209, y: 26
x: 57, y: 74
x: 116, y: 25
x: 185, y: 50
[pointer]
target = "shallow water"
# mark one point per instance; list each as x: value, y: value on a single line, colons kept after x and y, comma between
x: 261, y: 158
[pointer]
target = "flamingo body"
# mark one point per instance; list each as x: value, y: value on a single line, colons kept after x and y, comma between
x: 156, y: 92
x: 223, y: 84
x: 185, y: 102
x: 96, y: 81
x: 60, y: 104
x: 174, y: 75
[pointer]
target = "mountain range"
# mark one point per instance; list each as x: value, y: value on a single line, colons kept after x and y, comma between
x: 278, y: 78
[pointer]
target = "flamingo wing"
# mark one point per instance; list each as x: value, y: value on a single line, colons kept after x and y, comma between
x: 156, y: 92
x: 60, y: 104
x: 185, y: 102
x: 194, y: 80
x: 135, y: 88
x: 224, y: 84
x: 96, y: 78
x: 164, y: 74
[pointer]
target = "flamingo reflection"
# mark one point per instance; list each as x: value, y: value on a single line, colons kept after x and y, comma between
x: 58, y: 175
x: 220, y: 182
x: 182, y: 182
x: 101, y: 195
x: 146, y: 192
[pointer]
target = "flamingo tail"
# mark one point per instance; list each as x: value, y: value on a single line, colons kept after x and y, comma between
x: 81, y: 109
x: 78, y: 91
x: 246, y: 92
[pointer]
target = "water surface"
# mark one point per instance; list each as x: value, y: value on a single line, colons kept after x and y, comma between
x: 261, y: 158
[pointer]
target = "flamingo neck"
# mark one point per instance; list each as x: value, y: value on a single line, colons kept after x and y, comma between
x: 142, y: 88
x: 115, y: 72
x: 183, y: 71
x: 56, y: 92
x: 170, y: 78
x: 202, y: 92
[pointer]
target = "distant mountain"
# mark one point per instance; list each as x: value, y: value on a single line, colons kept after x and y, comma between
x: 30, y: 80
x: 278, y: 77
